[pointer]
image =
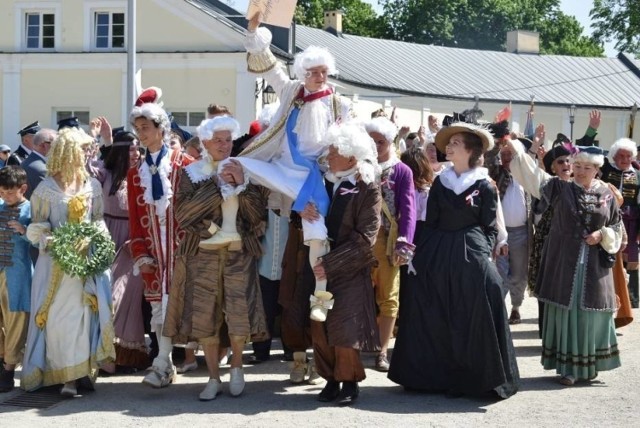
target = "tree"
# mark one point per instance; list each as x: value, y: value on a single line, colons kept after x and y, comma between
x: 562, y: 34
x: 483, y: 24
x: 359, y: 17
x: 617, y: 20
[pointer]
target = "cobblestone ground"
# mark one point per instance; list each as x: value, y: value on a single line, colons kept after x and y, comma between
x: 269, y: 400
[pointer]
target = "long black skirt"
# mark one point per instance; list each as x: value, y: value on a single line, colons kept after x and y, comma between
x: 453, y: 333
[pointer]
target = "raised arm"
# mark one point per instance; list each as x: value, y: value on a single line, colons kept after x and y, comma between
x: 260, y: 59
x: 525, y: 170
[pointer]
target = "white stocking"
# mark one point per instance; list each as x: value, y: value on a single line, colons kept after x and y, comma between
x: 317, y: 249
x: 229, y: 214
x: 163, y: 360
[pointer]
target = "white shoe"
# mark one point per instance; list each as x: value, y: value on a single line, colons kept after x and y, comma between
x: 299, y: 369
x: 222, y: 239
x: 211, y: 391
x: 236, y: 381
x: 189, y: 367
x: 321, y: 302
x: 314, y: 377
x: 158, y: 378
x: 69, y: 389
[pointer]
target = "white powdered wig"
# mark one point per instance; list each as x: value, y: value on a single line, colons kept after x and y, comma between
x: 313, y: 56
x: 154, y: 113
x: 208, y: 127
x: 383, y: 126
x: 267, y: 113
x: 351, y: 139
x: 592, y: 158
x: 623, y: 144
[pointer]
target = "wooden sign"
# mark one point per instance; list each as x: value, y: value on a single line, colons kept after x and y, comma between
x: 274, y: 12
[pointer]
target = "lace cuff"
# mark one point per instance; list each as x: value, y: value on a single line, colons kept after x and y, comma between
x: 144, y: 260
x: 258, y: 41
x: 35, y: 231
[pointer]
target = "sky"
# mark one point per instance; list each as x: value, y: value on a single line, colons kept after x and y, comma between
x: 578, y: 8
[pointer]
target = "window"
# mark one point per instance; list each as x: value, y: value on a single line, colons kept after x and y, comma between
x: 40, y: 30
x: 82, y: 115
x: 188, y: 119
x: 109, y: 30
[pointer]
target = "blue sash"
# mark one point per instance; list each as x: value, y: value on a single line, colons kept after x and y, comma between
x: 313, y: 189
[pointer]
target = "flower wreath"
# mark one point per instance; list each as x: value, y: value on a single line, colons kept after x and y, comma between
x: 82, y: 249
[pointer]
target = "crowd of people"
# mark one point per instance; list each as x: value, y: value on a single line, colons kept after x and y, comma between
x: 118, y: 246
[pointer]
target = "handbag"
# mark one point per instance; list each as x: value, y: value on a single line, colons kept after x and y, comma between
x: 606, y: 260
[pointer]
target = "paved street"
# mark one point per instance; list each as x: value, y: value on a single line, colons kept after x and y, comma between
x: 269, y: 400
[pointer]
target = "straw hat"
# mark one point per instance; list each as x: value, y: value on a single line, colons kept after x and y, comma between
x: 444, y: 135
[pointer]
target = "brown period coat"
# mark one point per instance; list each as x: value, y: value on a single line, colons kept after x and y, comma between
x: 196, y: 306
x: 352, y: 222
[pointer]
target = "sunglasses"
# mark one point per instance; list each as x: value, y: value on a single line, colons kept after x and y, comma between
x: 562, y: 161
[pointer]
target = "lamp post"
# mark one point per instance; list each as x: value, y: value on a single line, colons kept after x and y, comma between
x: 269, y: 95
x: 572, y: 118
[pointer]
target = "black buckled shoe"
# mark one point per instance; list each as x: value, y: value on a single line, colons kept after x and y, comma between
x: 330, y: 391
x: 349, y: 393
x: 6, y: 380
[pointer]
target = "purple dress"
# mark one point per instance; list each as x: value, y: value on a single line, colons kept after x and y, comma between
x: 127, y: 288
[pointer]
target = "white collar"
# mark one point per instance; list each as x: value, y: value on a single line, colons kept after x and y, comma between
x: 341, y: 176
x: 201, y: 170
x: 25, y: 149
x: 451, y: 181
x: 391, y: 162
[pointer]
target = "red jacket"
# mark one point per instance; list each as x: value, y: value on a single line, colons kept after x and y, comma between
x: 144, y: 229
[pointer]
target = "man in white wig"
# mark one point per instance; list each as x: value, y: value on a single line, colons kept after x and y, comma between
x: 284, y: 157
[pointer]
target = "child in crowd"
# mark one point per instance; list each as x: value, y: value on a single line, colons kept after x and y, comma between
x: 15, y: 271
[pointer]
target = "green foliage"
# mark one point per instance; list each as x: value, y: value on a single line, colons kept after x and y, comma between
x: 561, y: 34
x: 359, y: 17
x: 67, y: 249
x: 483, y: 24
x: 617, y: 20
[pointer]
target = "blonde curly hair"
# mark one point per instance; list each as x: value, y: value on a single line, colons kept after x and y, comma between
x: 66, y: 156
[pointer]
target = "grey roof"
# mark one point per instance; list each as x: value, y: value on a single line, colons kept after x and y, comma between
x: 454, y: 73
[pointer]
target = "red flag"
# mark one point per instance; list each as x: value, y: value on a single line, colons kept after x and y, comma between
x: 503, y: 114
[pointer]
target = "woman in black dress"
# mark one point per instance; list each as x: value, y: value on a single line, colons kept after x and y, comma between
x: 453, y: 334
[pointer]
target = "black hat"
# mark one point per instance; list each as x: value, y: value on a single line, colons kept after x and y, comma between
x: 30, y: 129
x: 185, y: 135
x: 456, y: 117
x: 561, y: 139
x: 553, y: 154
x: 124, y: 138
x: 117, y: 130
x: 69, y: 122
x: 499, y: 129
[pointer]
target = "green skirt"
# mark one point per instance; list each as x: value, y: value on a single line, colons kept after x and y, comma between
x: 577, y: 342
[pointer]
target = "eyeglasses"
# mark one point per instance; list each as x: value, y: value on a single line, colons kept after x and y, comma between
x: 562, y: 161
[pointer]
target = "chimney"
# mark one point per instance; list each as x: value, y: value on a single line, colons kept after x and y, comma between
x: 523, y: 42
x: 333, y: 22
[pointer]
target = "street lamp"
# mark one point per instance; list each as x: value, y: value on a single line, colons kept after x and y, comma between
x: 572, y: 118
x: 269, y: 95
